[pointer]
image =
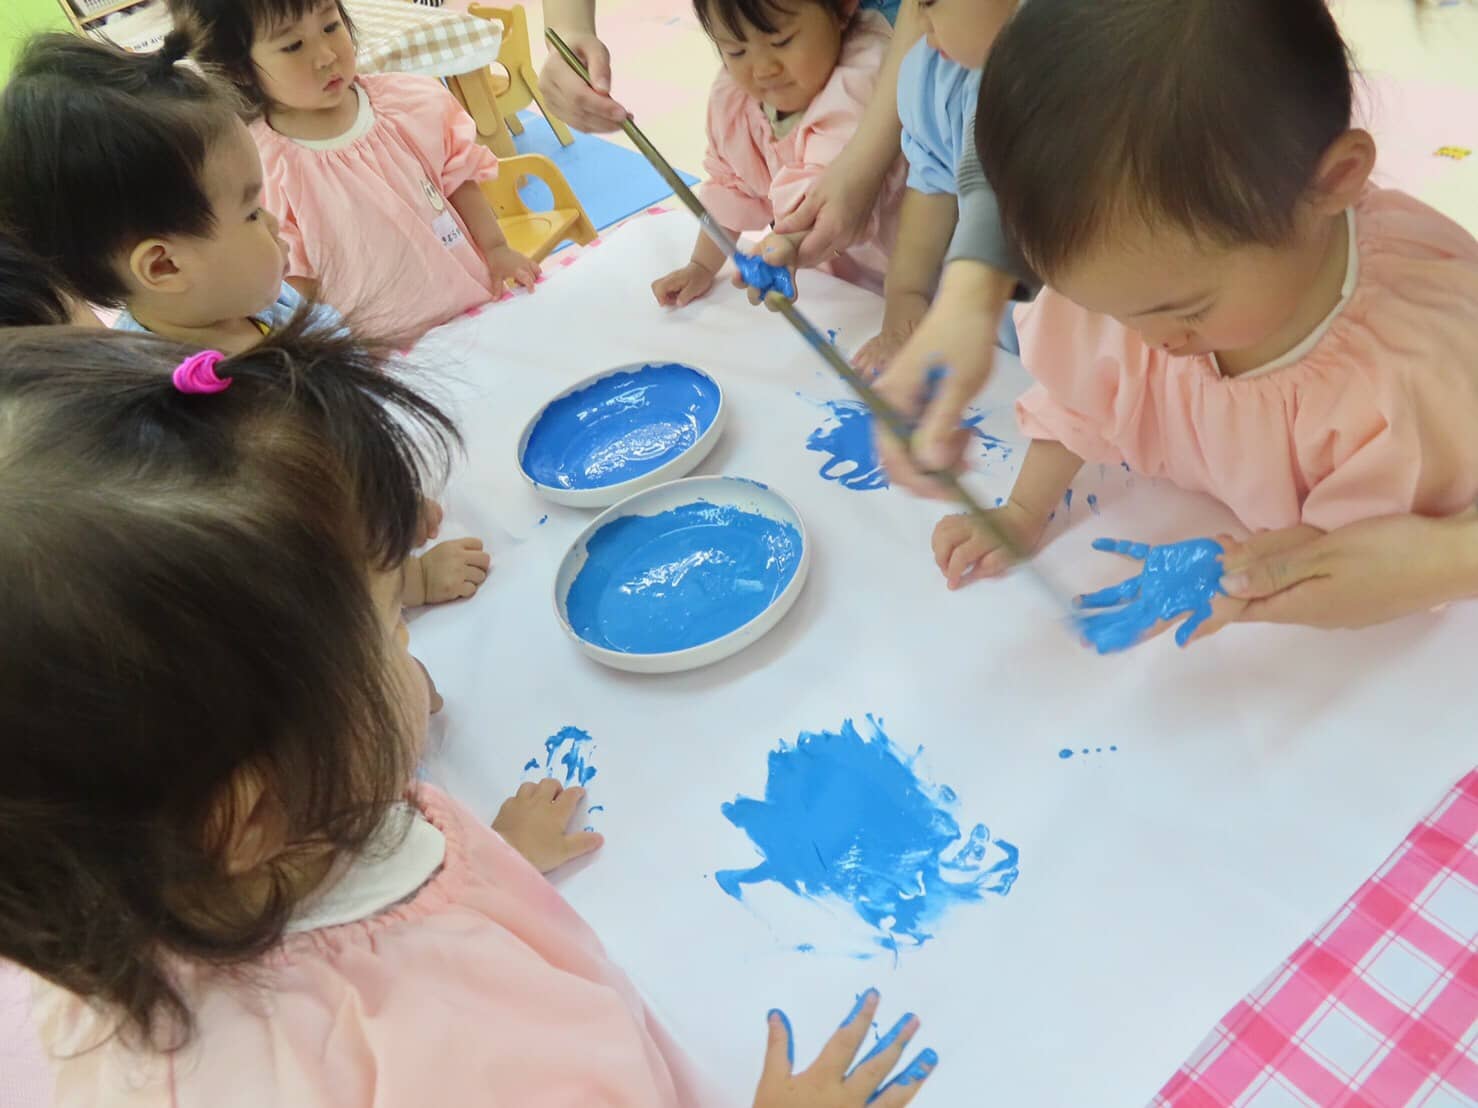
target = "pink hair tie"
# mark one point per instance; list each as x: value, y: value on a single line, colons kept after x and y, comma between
x: 196, y: 375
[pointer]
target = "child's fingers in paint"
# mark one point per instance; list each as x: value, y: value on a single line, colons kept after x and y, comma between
x: 873, y: 1069
x: 779, y: 1055
x: 836, y: 1056
x: 903, y: 1088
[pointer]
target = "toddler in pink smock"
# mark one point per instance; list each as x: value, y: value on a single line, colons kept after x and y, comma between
x: 788, y: 101
x: 374, y: 179
x: 240, y: 881
x: 1233, y: 308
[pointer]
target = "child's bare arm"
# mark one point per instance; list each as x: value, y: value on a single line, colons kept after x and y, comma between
x: 504, y: 262
x: 682, y: 286
x: 926, y: 222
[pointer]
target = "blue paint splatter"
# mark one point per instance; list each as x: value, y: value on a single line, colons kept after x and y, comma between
x: 805, y: 948
x: 620, y: 427
x: 831, y: 335
x: 761, y: 275
x: 595, y: 808
x: 543, y: 520
x: 569, y: 747
x: 848, y: 441
x: 1178, y: 579
x: 848, y: 438
x: 680, y: 578
x: 1066, y: 752
x: 1093, y: 503
x: 846, y: 818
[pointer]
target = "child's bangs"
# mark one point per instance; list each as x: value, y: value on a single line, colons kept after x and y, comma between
x: 734, y: 15
x: 271, y: 18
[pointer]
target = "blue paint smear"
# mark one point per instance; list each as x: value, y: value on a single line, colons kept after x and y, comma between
x: 1066, y: 753
x: 532, y: 763
x: 1067, y: 500
x: 595, y: 808
x: 789, y: 1034
x: 569, y: 747
x: 1093, y: 502
x: 621, y: 427
x: 761, y: 275
x: 850, y: 443
x: 681, y: 578
x: 543, y: 520
x: 831, y: 335
x: 846, y: 818
x: 1178, y: 579
x: 916, y: 1071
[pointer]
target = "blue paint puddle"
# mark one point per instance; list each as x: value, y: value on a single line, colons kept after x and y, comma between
x: 681, y: 578
x: 761, y: 275
x: 621, y: 427
x: 1067, y: 752
x: 847, y: 439
x: 846, y: 819
x: 566, y: 757
x: 1178, y: 579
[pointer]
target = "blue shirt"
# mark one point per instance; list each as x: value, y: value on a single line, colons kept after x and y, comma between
x: 888, y: 8
x: 287, y: 303
x: 936, y: 102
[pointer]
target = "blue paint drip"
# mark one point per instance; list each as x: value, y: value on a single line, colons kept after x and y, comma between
x: 849, y: 440
x: 543, y: 520
x: 1093, y: 503
x: 620, y: 427
x: 1178, y: 579
x: 595, y: 808
x: 761, y: 275
x: 856, y: 1011
x: 917, y: 1070
x: 1067, y: 500
x: 846, y: 818
x: 681, y: 578
x: 567, y: 746
x: 789, y: 1034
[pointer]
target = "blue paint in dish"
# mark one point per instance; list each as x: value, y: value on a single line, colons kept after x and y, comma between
x: 760, y: 275
x: 847, y: 819
x: 1178, y: 579
x: 680, y: 578
x: 620, y: 427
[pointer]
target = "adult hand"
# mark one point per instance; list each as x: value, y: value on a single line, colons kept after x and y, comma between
x: 571, y: 99
x: 958, y: 335
x: 1361, y: 574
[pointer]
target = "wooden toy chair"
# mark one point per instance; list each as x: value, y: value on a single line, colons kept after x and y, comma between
x: 531, y: 233
x: 518, y: 85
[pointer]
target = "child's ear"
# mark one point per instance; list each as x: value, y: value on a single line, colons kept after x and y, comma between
x: 154, y: 267
x: 1343, y: 172
x: 249, y: 824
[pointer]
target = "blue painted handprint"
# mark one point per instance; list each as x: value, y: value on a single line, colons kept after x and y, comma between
x: 1178, y: 579
x: 761, y: 275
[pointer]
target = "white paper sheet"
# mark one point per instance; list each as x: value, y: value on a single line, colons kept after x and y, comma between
x: 1260, y: 776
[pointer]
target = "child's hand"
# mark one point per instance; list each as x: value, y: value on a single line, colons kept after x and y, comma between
x: 451, y: 570
x: 827, y: 1084
x: 775, y: 250
x: 682, y: 286
x: 878, y: 351
x: 965, y: 552
x: 535, y: 821
x: 507, y: 264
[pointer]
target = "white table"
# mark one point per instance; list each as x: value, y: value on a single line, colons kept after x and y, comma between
x: 1261, y: 775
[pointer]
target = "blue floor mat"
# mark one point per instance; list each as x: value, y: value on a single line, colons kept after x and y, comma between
x: 611, y: 181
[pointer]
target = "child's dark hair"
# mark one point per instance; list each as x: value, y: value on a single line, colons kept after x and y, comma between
x: 187, y: 601
x: 221, y: 34
x: 732, y: 15
x: 101, y: 149
x: 30, y: 294
x: 1204, y: 115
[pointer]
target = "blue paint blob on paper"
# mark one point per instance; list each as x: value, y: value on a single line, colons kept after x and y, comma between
x: 848, y: 439
x: 1067, y: 500
x: 1065, y: 753
x: 831, y: 335
x: 847, y: 819
x: 681, y: 578
x: 620, y: 427
x: 1093, y: 503
x: 595, y: 808
x: 567, y: 757
x: 543, y: 520
x: 1178, y: 579
x: 761, y: 275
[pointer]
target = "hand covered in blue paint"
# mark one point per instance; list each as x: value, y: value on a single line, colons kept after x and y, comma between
x: 833, y: 1081
x: 682, y: 286
x: 777, y: 253
x: 535, y: 822
x: 1178, y: 579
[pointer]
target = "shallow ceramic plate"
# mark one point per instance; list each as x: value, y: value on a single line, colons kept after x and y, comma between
x: 682, y: 575
x: 621, y: 431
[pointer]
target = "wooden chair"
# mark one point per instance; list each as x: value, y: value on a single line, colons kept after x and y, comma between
x: 531, y: 233
x: 518, y: 85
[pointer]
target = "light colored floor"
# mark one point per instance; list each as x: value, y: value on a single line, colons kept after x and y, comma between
x: 1422, y: 75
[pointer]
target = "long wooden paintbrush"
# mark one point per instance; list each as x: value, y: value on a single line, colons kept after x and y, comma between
x: 890, y: 417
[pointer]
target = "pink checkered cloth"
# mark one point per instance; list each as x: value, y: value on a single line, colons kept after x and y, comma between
x: 1377, y: 1010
